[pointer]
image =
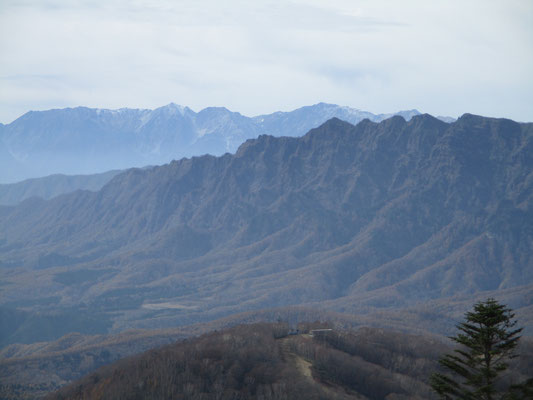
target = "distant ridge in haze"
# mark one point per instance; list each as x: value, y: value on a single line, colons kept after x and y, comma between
x: 52, y: 186
x: 378, y: 216
x: 82, y: 140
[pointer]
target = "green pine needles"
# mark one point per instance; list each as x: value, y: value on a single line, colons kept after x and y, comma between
x: 487, y: 342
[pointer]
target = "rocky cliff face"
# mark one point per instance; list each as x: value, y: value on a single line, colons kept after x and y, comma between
x: 386, y: 215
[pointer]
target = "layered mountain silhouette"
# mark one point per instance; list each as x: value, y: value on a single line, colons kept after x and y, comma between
x: 52, y: 186
x: 82, y: 140
x: 377, y: 216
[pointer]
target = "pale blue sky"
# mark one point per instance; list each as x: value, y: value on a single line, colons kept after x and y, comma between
x: 255, y: 57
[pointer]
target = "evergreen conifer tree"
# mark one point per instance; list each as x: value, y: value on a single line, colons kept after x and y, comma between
x: 487, y: 342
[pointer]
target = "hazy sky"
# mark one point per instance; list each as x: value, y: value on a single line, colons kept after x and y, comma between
x: 441, y: 57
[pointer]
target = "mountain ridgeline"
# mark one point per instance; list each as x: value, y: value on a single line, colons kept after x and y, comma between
x: 377, y: 216
x: 52, y: 186
x: 86, y: 141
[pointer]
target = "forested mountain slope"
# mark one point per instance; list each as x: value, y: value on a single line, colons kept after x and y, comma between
x: 374, y: 216
x: 264, y: 361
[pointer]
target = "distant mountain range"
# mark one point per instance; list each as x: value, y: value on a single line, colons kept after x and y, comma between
x: 82, y: 140
x: 361, y: 219
x: 52, y: 186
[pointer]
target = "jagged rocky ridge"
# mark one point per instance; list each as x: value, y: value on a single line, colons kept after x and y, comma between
x: 85, y: 141
x: 355, y: 218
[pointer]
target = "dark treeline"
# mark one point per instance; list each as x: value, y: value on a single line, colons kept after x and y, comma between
x: 240, y: 363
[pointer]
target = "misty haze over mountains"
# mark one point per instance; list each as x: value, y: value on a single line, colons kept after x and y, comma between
x: 82, y: 140
x: 387, y: 216
x: 400, y: 224
x: 52, y: 185
x: 254, y: 241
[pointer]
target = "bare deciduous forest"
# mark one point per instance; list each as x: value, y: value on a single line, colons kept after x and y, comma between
x: 272, y: 361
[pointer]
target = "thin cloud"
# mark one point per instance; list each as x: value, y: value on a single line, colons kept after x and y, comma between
x: 261, y: 56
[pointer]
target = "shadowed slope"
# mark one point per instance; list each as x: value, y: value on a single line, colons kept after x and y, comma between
x: 374, y: 215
